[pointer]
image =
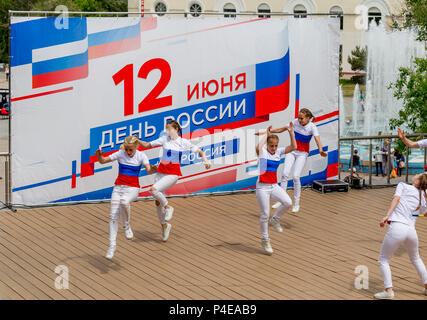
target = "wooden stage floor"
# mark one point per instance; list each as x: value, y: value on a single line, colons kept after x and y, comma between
x: 213, y: 252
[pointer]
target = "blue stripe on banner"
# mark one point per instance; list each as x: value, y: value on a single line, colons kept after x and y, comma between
x: 85, y: 155
x: 268, y: 165
x: 302, y: 137
x: 118, y: 34
x: 128, y: 170
x: 74, y: 167
x: 26, y: 36
x: 63, y: 63
x: 333, y: 157
x: 39, y: 184
x: 297, y: 87
x: 322, y: 124
x: 272, y: 73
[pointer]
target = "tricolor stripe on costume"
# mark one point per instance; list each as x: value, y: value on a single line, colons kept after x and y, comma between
x: 268, y: 170
x: 128, y: 175
x: 170, y: 163
x: 303, y: 141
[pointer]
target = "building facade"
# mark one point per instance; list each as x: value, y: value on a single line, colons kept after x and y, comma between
x: 352, y: 23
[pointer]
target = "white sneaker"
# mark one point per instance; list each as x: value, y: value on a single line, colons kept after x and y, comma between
x: 276, y: 224
x: 295, y: 208
x: 384, y: 295
x: 166, y: 231
x: 276, y: 205
x: 168, y: 213
x: 267, y: 246
x: 110, y: 252
x: 129, y: 233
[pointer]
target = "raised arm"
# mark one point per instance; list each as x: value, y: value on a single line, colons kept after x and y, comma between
x: 409, y: 143
x: 144, y: 144
x: 293, y: 145
x: 150, y: 169
x: 101, y: 158
x: 263, y: 140
x: 277, y: 130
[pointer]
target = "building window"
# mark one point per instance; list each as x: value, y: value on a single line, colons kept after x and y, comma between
x: 160, y: 8
x: 374, y: 14
x: 195, y: 9
x: 229, y: 8
x: 337, y: 12
x: 262, y: 10
x: 300, y: 11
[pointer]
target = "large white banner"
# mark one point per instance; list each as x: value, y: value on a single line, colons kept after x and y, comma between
x: 86, y: 83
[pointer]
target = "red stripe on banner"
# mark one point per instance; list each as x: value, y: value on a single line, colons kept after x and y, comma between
x: 41, y: 94
x: 73, y: 181
x: 208, y: 29
x: 296, y: 109
x: 332, y: 170
x: 108, y: 49
x: 148, y: 24
x: 270, y: 100
x: 47, y: 79
x: 247, y: 188
x: 87, y: 169
x: 210, y: 181
x: 326, y: 116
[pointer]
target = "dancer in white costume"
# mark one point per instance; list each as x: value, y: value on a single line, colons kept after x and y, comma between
x: 304, y: 129
x: 169, y: 170
x: 409, y: 201
x: 266, y: 186
x: 126, y: 187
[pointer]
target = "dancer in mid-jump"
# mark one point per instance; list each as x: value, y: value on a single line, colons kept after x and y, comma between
x: 169, y: 169
x: 126, y: 187
x: 267, y: 187
x: 304, y: 129
x: 409, y: 201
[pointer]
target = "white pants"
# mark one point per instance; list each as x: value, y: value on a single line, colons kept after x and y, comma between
x: 263, y: 193
x: 400, y: 233
x: 121, y: 198
x: 295, y: 159
x: 162, y: 182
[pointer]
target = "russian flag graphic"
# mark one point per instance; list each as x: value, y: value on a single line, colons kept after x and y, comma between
x: 59, y: 56
x: 268, y: 170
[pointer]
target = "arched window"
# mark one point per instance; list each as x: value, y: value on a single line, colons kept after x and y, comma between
x: 195, y: 9
x: 300, y: 11
x: 335, y: 12
x: 229, y: 8
x: 160, y: 8
x: 374, y: 14
x: 264, y: 8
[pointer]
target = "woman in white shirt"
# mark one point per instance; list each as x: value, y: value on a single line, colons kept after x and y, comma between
x: 126, y: 187
x: 409, y: 201
x: 169, y: 169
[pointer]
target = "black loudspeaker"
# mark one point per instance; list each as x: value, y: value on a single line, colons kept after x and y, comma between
x: 329, y: 186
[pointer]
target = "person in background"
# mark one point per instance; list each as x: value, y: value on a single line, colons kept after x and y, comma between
x: 356, y: 161
x: 6, y: 71
x: 399, y: 161
x: 378, y: 157
x: 384, y: 150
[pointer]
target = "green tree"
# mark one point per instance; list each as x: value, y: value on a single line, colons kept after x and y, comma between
x: 357, y: 60
x: 411, y: 83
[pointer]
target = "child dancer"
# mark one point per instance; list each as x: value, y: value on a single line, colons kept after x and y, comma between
x: 126, y: 187
x: 169, y: 170
x: 266, y: 186
x: 304, y: 129
x: 408, y: 201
